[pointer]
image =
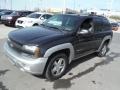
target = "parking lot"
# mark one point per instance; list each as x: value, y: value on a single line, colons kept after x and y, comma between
x: 88, y: 73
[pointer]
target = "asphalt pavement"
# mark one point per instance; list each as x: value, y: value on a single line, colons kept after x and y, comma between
x: 87, y: 73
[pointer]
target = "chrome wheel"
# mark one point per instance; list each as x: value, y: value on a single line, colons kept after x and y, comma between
x: 104, y: 50
x: 58, y: 67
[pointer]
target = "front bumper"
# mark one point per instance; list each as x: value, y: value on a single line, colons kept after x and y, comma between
x: 24, y: 63
x: 23, y: 24
x: 7, y: 22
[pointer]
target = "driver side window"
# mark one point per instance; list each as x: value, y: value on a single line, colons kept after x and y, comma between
x: 87, y: 25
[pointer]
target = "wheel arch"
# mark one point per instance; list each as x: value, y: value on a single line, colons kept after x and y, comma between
x: 66, y: 48
x: 106, y: 39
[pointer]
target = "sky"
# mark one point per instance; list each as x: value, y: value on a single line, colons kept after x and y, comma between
x: 73, y: 4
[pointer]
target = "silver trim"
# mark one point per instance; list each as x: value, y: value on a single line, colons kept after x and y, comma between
x: 25, y: 63
x: 54, y: 49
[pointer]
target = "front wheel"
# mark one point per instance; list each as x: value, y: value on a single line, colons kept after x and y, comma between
x: 103, y: 50
x: 57, y: 67
x: 35, y: 25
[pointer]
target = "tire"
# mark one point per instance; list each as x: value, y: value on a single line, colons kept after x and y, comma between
x: 35, y: 25
x: 103, y: 50
x: 56, y: 67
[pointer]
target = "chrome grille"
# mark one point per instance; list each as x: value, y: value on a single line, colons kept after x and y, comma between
x: 14, y: 45
x: 19, y: 21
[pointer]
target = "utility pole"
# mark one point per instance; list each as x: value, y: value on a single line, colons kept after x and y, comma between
x: 25, y: 5
x: 11, y: 5
x: 0, y: 4
x: 110, y: 3
x: 74, y: 4
x: 64, y: 9
x: 46, y: 5
x: 5, y: 4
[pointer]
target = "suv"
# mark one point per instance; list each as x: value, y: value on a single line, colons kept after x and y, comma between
x: 5, y: 12
x: 33, y: 19
x: 48, y: 49
x: 11, y: 19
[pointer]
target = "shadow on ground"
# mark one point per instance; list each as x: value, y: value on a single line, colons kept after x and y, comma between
x: 66, y: 83
x: 3, y: 72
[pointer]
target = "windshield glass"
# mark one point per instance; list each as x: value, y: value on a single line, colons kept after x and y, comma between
x: 3, y: 12
x: 34, y: 15
x: 65, y: 22
x: 15, y: 13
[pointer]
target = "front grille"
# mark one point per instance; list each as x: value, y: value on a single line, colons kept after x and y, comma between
x: 14, y: 45
x: 3, y: 18
x: 19, y: 21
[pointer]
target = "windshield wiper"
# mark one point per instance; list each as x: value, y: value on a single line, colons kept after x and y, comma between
x: 54, y: 27
x: 60, y: 29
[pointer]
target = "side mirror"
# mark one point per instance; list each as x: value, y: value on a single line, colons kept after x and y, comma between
x: 42, y: 18
x: 83, y: 32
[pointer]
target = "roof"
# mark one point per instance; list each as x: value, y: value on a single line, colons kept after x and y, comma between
x: 23, y: 11
x: 83, y: 15
x: 43, y: 13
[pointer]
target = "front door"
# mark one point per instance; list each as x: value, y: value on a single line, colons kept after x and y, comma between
x: 85, y: 43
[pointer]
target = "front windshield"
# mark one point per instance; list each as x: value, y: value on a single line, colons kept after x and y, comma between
x: 15, y: 13
x: 65, y: 22
x: 34, y: 15
x: 3, y: 12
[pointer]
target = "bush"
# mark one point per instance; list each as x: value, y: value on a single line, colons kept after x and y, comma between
x: 115, y: 17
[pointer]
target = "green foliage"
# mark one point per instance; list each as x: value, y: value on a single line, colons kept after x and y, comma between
x: 115, y: 17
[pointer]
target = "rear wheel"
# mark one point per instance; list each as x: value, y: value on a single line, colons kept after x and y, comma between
x: 103, y: 50
x: 57, y: 67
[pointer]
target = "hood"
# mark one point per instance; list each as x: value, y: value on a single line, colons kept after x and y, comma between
x: 12, y: 15
x: 4, y: 16
x: 27, y: 19
x: 33, y: 35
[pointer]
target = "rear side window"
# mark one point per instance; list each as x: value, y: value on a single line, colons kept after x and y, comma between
x: 98, y: 26
x: 106, y: 24
x: 102, y: 24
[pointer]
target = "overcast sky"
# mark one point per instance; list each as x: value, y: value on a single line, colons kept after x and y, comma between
x: 84, y: 4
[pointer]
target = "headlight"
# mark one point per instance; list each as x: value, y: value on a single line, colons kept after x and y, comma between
x: 9, y: 17
x: 32, y: 49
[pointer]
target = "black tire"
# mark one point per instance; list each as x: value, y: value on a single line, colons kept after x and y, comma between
x: 35, y: 25
x: 49, y: 74
x: 103, y: 50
